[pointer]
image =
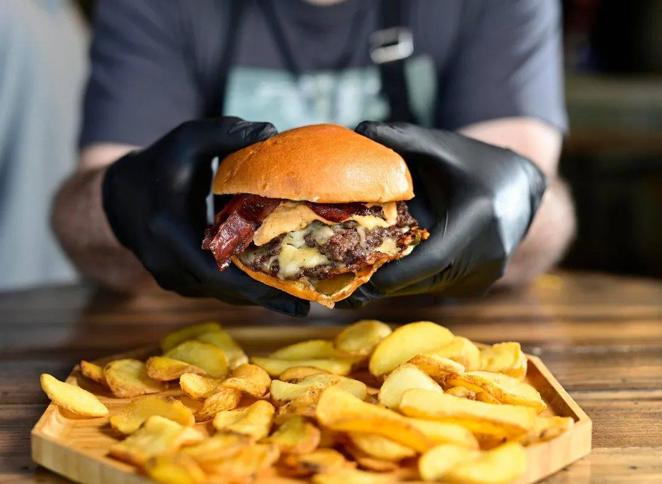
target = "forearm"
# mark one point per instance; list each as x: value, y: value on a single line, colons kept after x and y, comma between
x: 81, y: 226
x: 549, y: 236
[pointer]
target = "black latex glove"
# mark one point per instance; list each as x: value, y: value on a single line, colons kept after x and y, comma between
x: 476, y: 200
x: 155, y: 202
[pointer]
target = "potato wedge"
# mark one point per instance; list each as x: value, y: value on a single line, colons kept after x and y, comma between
x: 546, y: 428
x: 313, y: 349
x: 342, y: 411
x: 163, y: 368
x: 250, y: 379
x: 203, y: 355
x: 501, y: 464
x: 362, y: 337
x: 296, y: 436
x: 354, y: 476
x: 130, y: 418
x: 245, y: 466
x: 462, y: 350
x: 158, y: 436
x: 283, y: 392
x: 187, y: 332
x: 461, y: 392
x: 174, y: 469
x: 503, y: 388
x: 199, y: 387
x: 439, y: 368
x: 304, y: 405
x: 507, y: 358
x: 437, y: 462
x: 380, y: 447
x: 368, y: 462
x: 315, y: 462
x: 403, y: 378
x: 254, y: 420
x: 445, y: 433
x: 299, y: 372
x: 223, y: 341
x: 406, y: 342
x: 93, y: 372
x: 128, y: 378
x: 479, y: 417
x: 71, y: 397
x: 221, y: 400
x: 221, y: 445
x: 274, y: 366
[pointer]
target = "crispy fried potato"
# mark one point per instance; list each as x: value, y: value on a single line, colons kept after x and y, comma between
x: 445, y: 433
x: 354, y: 476
x: 244, y: 466
x: 313, y: 349
x: 503, y: 388
x: 221, y: 445
x: 462, y: 350
x: 223, y: 341
x: 163, y: 368
x: 130, y: 418
x: 479, y: 417
x: 507, y: 358
x: 403, y: 378
x: 203, y: 355
x: 437, y: 367
x: 342, y: 411
x: 71, y: 397
x: 437, y: 462
x: 317, y: 461
x: 199, y: 387
x: 406, y: 342
x: 501, y: 464
x: 158, y: 436
x: 368, y: 462
x: 174, y: 469
x: 461, y: 392
x: 128, y: 378
x: 254, y: 420
x: 221, y: 400
x: 274, y: 366
x: 187, y: 332
x: 546, y: 428
x: 380, y: 447
x: 296, y: 436
x: 250, y: 379
x: 282, y: 392
x: 93, y: 372
x: 299, y: 373
x: 362, y: 337
x: 303, y: 405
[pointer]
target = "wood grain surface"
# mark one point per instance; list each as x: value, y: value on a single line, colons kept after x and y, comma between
x: 600, y: 335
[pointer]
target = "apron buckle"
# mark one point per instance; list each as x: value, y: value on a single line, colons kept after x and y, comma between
x: 390, y: 45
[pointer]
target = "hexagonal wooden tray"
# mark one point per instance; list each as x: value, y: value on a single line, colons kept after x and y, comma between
x: 76, y: 448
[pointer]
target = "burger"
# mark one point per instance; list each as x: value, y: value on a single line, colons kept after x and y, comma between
x: 315, y: 211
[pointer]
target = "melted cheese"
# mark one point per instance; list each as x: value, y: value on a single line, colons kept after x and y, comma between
x: 291, y: 259
x: 388, y: 246
x: 293, y: 216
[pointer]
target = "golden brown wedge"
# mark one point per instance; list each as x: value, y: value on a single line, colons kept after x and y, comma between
x: 72, y: 398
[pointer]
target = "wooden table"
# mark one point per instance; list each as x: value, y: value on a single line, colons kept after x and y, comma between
x: 601, y: 336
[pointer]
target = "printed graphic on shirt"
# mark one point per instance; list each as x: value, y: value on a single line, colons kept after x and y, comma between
x: 344, y: 97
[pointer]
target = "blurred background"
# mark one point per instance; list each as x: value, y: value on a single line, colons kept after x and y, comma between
x: 612, y: 156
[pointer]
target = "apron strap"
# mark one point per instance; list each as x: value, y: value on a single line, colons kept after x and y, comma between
x: 389, y: 47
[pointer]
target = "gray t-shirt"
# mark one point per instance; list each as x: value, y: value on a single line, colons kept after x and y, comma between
x: 157, y: 64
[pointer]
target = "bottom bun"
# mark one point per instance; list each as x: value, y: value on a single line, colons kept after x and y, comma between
x: 326, y: 293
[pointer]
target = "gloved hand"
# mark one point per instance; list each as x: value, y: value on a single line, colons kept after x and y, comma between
x: 155, y: 202
x: 476, y: 200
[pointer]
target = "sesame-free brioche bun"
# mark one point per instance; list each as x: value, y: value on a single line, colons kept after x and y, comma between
x: 323, y: 163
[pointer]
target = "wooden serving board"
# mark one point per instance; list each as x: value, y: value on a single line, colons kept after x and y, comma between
x: 76, y: 447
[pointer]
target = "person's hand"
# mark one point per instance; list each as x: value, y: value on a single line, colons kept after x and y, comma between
x: 476, y: 200
x: 155, y: 202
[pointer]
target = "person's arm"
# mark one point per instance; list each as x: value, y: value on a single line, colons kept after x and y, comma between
x: 553, y: 227
x: 83, y: 230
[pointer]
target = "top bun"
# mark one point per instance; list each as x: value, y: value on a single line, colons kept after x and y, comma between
x: 322, y: 163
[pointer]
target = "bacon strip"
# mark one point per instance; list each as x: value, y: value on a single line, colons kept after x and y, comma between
x: 237, y: 222
x: 235, y: 225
